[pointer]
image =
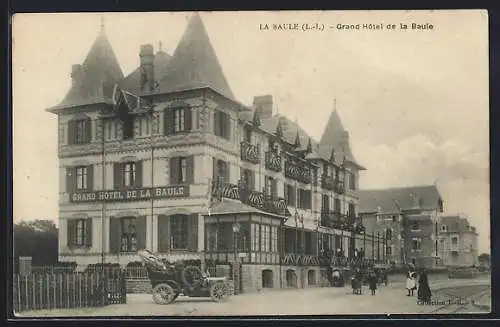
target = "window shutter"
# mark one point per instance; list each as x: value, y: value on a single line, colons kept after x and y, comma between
x: 214, y: 168
x: 168, y: 121
x: 88, y: 232
x: 114, y: 234
x: 187, y: 119
x: 217, y: 122
x: 227, y: 127
x: 88, y: 130
x: 141, y: 232
x: 163, y: 233
x: 71, y: 232
x: 294, y: 196
x: 71, y: 132
x: 70, y: 179
x: 90, y: 177
x: 138, y: 174
x: 190, y: 169
x: 174, y: 171
x: 117, y: 175
x: 227, y: 172
x: 193, y: 232
x: 252, y: 180
x: 285, y: 192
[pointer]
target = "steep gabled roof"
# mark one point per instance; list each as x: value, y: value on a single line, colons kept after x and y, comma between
x: 194, y: 64
x: 336, y: 137
x: 406, y: 198
x: 131, y: 83
x: 95, y: 79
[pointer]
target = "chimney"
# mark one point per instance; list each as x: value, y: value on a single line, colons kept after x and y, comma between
x: 75, y: 69
x: 264, y: 103
x: 147, y: 67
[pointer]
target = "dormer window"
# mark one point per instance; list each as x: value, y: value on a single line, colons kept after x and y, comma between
x: 444, y: 228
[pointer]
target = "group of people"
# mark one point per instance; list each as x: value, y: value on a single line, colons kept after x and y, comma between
x: 424, y: 293
x: 373, y: 277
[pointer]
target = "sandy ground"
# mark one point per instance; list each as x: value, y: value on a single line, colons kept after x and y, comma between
x: 390, y: 299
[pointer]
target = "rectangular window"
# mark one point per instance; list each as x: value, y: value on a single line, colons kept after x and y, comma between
x: 269, y: 186
x: 211, y: 237
x: 247, y: 136
x: 454, y: 240
x: 182, y: 169
x: 81, y: 178
x: 255, y: 237
x: 416, y: 243
x: 129, y: 235
x: 444, y: 228
x: 265, y: 241
x: 274, y: 239
x: 81, y: 232
x: 82, y: 128
x: 222, y: 170
x: 388, y: 250
x: 337, y: 208
x: 129, y: 174
x: 179, y: 230
x: 128, y: 128
x: 325, y: 203
x: 222, y: 124
x: 352, y: 181
x: 179, y: 120
x: 248, y: 177
x: 351, y: 210
x: 290, y: 195
x: 304, y: 199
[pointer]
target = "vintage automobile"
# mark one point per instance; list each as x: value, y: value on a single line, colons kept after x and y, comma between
x: 171, y: 280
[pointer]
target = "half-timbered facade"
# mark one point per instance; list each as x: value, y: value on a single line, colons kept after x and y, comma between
x: 168, y: 160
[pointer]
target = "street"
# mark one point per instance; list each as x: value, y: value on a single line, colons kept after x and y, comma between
x: 389, y: 299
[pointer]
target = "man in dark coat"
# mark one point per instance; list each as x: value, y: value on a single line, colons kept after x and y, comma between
x: 424, y: 292
x: 372, y: 281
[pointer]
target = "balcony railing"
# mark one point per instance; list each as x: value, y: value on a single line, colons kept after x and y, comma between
x: 250, y: 152
x: 273, y: 161
x: 297, y: 171
x: 301, y: 259
x: 259, y: 200
x: 328, y: 182
x: 340, y: 221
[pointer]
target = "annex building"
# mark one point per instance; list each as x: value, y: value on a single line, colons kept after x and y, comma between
x: 166, y: 159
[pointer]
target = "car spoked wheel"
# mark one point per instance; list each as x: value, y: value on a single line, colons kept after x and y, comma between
x: 218, y: 292
x: 163, y: 294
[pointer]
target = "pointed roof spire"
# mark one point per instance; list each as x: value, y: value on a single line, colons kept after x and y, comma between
x: 94, y: 80
x: 279, y: 129
x: 309, y: 146
x: 195, y: 64
x: 297, y: 139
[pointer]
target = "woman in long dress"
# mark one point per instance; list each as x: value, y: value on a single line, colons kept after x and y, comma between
x: 372, y: 281
x: 424, y: 291
x: 411, y: 283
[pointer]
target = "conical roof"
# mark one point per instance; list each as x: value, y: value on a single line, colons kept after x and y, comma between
x: 195, y: 64
x: 337, y: 138
x: 94, y: 80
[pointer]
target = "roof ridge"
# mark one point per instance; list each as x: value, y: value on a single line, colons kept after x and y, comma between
x: 398, y: 187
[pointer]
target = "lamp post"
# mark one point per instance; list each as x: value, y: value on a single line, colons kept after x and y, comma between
x: 236, y: 230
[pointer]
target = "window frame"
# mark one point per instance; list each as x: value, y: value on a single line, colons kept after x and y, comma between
x: 179, y: 231
x: 81, y: 127
x: 83, y: 176
x: 132, y: 171
x: 128, y: 235
x: 179, y: 115
x: 81, y: 227
x: 419, y: 242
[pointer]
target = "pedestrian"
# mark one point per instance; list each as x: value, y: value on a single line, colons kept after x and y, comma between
x: 372, y: 281
x: 424, y: 292
x: 411, y: 284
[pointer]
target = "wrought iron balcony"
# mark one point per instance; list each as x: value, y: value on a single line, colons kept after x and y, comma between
x: 297, y: 171
x: 328, y: 182
x: 301, y: 259
x: 259, y: 200
x: 250, y: 152
x: 273, y: 161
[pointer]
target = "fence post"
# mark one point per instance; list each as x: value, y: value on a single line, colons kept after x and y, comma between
x: 47, y: 285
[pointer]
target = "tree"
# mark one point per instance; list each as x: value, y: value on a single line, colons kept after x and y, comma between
x: 37, y: 239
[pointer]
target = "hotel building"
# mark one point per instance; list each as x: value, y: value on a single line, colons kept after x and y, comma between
x: 167, y: 159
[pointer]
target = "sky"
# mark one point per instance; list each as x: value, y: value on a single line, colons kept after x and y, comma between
x: 415, y: 102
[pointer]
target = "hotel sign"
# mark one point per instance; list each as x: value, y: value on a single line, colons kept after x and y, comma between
x: 176, y: 191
